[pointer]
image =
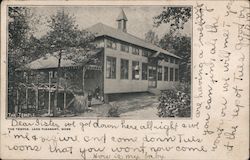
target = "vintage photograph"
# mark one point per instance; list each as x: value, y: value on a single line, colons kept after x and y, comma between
x: 99, y: 61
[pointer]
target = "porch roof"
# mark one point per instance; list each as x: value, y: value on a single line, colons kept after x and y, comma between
x: 50, y: 61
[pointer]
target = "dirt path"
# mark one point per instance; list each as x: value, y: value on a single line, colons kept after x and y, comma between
x: 149, y: 112
x: 137, y: 106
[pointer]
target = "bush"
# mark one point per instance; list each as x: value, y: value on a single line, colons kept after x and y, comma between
x: 113, y: 111
x: 174, y: 103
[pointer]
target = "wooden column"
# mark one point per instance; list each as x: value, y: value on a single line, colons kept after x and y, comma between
x: 26, y: 90
x: 37, y: 97
x: 37, y: 92
x: 64, y: 99
x: 83, y: 74
x: 26, y: 97
x: 49, y: 92
x: 17, y: 101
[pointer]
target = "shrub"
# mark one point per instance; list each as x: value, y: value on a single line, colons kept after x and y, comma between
x: 113, y: 111
x: 174, y: 103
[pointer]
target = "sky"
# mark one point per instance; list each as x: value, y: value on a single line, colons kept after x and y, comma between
x: 140, y: 18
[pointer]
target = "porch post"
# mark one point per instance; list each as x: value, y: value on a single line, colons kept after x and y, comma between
x: 64, y: 99
x: 49, y: 93
x: 83, y: 75
x: 26, y: 90
x: 17, y: 102
x: 26, y: 97
x: 37, y: 93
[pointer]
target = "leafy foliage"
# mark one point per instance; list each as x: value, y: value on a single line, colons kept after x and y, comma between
x: 65, y: 38
x: 176, y: 16
x: 174, y: 103
x: 19, y: 43
x: 113, y: 111
x: 181, y: 46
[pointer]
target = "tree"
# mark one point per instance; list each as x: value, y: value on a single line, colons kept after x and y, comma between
x: 65, y: 38
x: 152, y: 37
x: 176, y: 16
x: 18, y: 36
x: 23, y: 47
x: 174, y: 42
x: 181, y: 46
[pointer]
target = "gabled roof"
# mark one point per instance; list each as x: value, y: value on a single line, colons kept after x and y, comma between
x: 122, y: 16
x: 103, y: 30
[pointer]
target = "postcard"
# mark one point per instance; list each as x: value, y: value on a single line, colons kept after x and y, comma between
x: 125, y: 80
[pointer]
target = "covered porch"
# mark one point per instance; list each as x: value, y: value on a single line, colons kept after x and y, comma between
x: 39, y: 82
x: 34, y: 96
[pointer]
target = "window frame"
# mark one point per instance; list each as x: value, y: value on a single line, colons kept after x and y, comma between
x: 112, y: 76
x: 171, y: 60
x: 159, y: 73
x: 166, y: 73
x: 134, y: 71
x: 176, y: 74
x: 176, y: 61
x: 145, y: 53
x: 166, y: 59
x: 126, y: 77
x: 144, y: 73
x: 135, y: 50
x: 126, y: 46
x: 171, y: 78
x: 110, y: 43
x: 119, y: 24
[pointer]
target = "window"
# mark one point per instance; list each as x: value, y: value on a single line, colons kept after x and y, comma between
x: 176, y: 74
x: 144, y: 71
x: 171, y: 74
x: 119, y: 24
x: 152, y: 72
x: 166, y: 59
x: 176, y: 61
x: 111, y: 67
x: 124, y: 69
x: 135, y: 70
x: 165, y: 73
x: 135, y: 50
x: 171, y: 60
x: 124, y: 48
x: 54, y: 74
x: 145, y: 53
x: 159, y: 69
x: 111, y: 44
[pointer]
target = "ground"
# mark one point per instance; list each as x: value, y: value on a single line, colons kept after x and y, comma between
x: 129, y: 106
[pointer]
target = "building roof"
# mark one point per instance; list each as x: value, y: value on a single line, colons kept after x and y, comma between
x: 103, y: 30
x: 48, y: 61
x: 51, y: 61
x: 122, y: 16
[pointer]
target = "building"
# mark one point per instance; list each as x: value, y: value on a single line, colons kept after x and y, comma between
x: 123, y: 64
x: 130, y: 63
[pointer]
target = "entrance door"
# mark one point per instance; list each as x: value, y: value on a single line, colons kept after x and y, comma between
x: 152, y: 79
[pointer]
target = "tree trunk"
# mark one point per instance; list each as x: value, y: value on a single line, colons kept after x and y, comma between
x: 57, y: 84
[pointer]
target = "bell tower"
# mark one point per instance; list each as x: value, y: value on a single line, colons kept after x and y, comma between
x: 122, y: 21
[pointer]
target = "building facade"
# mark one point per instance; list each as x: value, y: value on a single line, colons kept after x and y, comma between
x: 131, y: 64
